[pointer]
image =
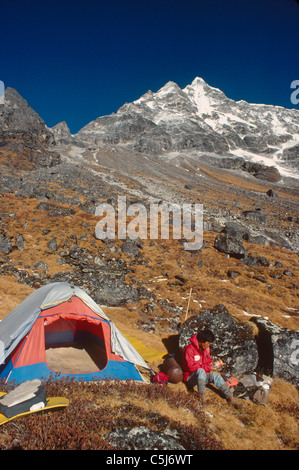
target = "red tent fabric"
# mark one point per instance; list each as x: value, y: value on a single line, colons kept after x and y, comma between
x: 71, y: 322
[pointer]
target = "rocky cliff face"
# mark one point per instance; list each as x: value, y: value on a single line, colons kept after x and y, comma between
x: 61, y: 132
x: 25, y: 140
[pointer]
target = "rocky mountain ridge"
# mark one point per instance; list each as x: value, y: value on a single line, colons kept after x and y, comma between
x: 23, y: 132
x: 198, y: 122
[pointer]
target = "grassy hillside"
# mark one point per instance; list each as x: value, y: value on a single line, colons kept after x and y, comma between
x: 167, y: 273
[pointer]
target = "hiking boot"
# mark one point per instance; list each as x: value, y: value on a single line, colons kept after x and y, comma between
x: 235, y: 402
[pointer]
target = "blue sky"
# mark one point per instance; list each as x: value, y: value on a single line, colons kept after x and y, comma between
x: 76, y: 60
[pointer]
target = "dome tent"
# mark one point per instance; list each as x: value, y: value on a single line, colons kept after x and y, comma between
x: 59, y: 314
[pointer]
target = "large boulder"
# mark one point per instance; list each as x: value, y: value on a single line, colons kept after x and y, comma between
x: 278, y: 350
x: 234, y: 341
x: 230, y: 245
x: 236, y: 230
x: 263, y: 172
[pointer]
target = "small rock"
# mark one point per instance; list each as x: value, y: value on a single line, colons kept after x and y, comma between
x: 52, y: 245
x: 271, y: 193
x: 232, y: 274
x: 250, y: 260
x: 20, y: 241
x: 5, y: 245
x: 256, y: 216
x: 287, y: 272
x: 130, y: 248
x: 41, y: 265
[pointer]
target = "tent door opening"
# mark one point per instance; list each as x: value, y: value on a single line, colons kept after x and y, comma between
x: 75, y: 346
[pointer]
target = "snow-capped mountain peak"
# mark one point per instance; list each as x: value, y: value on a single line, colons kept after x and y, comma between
x: 201, y: 119
x: 169, y: 87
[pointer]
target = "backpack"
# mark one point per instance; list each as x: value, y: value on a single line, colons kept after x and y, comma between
x: 252, y: 387
x: 160, y: 378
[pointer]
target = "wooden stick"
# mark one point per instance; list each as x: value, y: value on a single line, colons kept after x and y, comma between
x: 188, y: 303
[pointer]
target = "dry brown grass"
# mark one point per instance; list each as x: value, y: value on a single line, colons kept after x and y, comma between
x: 256, y: 427
x: 11, y: 294
x: 97, y: 408
x: 161, y: 262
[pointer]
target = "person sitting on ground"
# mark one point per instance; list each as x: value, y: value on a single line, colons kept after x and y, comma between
x: 199, y: 369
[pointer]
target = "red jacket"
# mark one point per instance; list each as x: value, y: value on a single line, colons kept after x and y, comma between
x: 194, y: 357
